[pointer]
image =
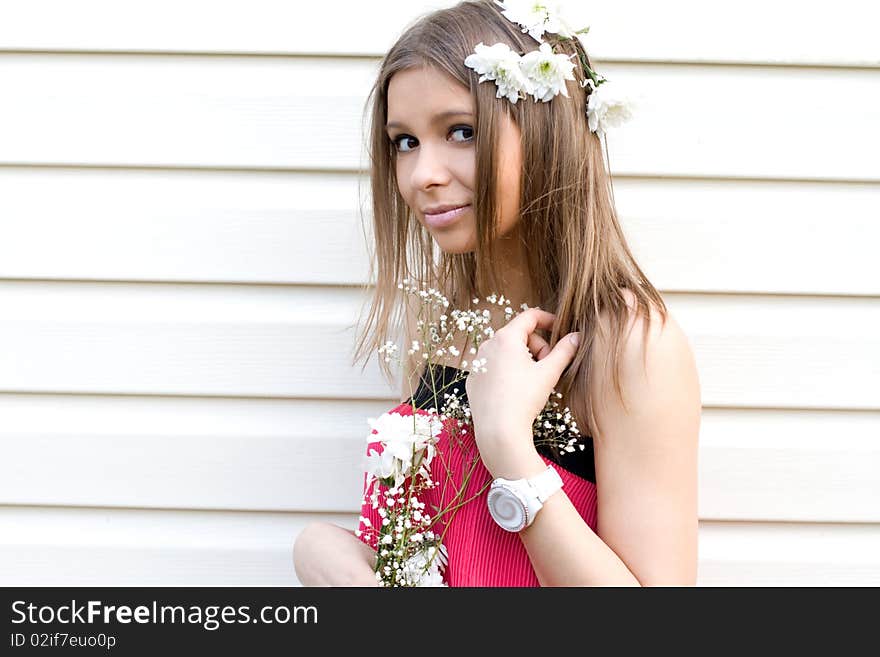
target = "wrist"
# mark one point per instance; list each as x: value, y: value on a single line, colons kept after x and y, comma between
x: 518, y: 464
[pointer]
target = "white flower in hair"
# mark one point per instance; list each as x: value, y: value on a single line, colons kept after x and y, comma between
x: 537, y: 17
x: 608, y: 108
x: 501, y: 64
x: 543, y: 73
x: 548, y: 72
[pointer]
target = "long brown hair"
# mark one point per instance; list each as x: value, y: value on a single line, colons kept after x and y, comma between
x: 578, y: 258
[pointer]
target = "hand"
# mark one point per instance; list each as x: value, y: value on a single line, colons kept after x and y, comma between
x: 506, y: 399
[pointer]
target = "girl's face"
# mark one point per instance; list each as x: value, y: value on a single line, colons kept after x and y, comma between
x: 430, y: 121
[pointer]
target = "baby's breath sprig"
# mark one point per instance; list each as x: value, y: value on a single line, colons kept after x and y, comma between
x: 390, y: 351
x: 438, y: 336
x: 557, y: 427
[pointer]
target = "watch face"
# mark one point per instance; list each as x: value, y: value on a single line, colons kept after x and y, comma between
x: 506, y: 508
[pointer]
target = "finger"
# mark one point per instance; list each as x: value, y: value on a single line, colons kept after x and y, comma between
x: 538, y: 346
x: 527, y: 322
x: 559, y: 357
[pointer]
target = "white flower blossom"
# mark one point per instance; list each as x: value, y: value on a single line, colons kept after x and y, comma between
x: 406, y: 443
x: 537, y: 17
x: 608, y: 108
x: 543, y: 73
x: 548, y: 72
x: 499, y: 63
x: 417, y: 572
x: 379, y: 465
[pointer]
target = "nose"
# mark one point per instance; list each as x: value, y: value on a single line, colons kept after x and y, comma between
x: 430, y: 168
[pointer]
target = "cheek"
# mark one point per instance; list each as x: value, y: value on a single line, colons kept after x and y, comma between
x: 402, y: 177
x: 466, y: 170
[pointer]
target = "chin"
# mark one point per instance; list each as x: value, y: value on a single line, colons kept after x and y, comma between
x: 453, y: 246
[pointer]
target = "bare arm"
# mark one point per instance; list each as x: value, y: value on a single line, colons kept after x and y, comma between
x: 646, y: 464
x: 325, y: 554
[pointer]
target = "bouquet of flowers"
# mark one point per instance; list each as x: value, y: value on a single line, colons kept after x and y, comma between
x: 409, y: 541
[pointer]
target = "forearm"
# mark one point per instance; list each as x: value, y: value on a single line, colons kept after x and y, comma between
x: 328, y: 555
x: 563, y: 549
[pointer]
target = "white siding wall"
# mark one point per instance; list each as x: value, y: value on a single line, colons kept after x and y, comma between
x: 181, y: 248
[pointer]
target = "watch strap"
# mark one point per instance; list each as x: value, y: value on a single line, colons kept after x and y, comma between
x: 546, y: 483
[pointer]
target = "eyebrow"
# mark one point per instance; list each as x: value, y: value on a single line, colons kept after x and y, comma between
x: 435, y: 119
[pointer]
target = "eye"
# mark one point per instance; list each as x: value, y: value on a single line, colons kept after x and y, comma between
x: 469, y: 131
x: 397, y: 141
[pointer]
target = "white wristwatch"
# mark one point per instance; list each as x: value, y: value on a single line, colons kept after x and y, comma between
x: 514, y: 503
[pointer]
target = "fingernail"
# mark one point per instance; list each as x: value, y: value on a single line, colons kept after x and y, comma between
x: 575, y: 338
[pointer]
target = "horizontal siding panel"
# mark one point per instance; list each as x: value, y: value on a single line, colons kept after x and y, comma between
x: 137, y: 547
x: 242, y: 454
x: 267, y: 341
x: 274, y: 341
x: 817, y: 466
x: 292, y: 113
x: 763, y: 237
x: 305, y: 228
x: 298, y: 455
x: 44, y: 546
x: 748, y: 31
x: 198, y: 227
x: 769, y: 554
x: 182, y: 111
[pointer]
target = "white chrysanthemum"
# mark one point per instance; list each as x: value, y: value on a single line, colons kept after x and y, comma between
x: 608, y: 108
x: 379, y: 464
x: 499, y: 63
x: 537, y: 17
x: 405, y: 444
x: 547, y: 71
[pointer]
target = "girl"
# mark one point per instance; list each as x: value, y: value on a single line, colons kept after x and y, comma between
x: 487, y: 177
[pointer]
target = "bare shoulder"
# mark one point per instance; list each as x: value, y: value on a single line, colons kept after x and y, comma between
x: 655, y: 355
x: 637, y: 318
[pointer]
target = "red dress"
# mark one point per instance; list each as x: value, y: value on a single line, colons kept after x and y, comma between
x: 480, y: 552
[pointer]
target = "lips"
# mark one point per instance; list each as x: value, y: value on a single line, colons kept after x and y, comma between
x: 443, y: 215
x: 440, y: 209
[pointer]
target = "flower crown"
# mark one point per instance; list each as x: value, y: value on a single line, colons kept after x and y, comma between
x: 542, y: 73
